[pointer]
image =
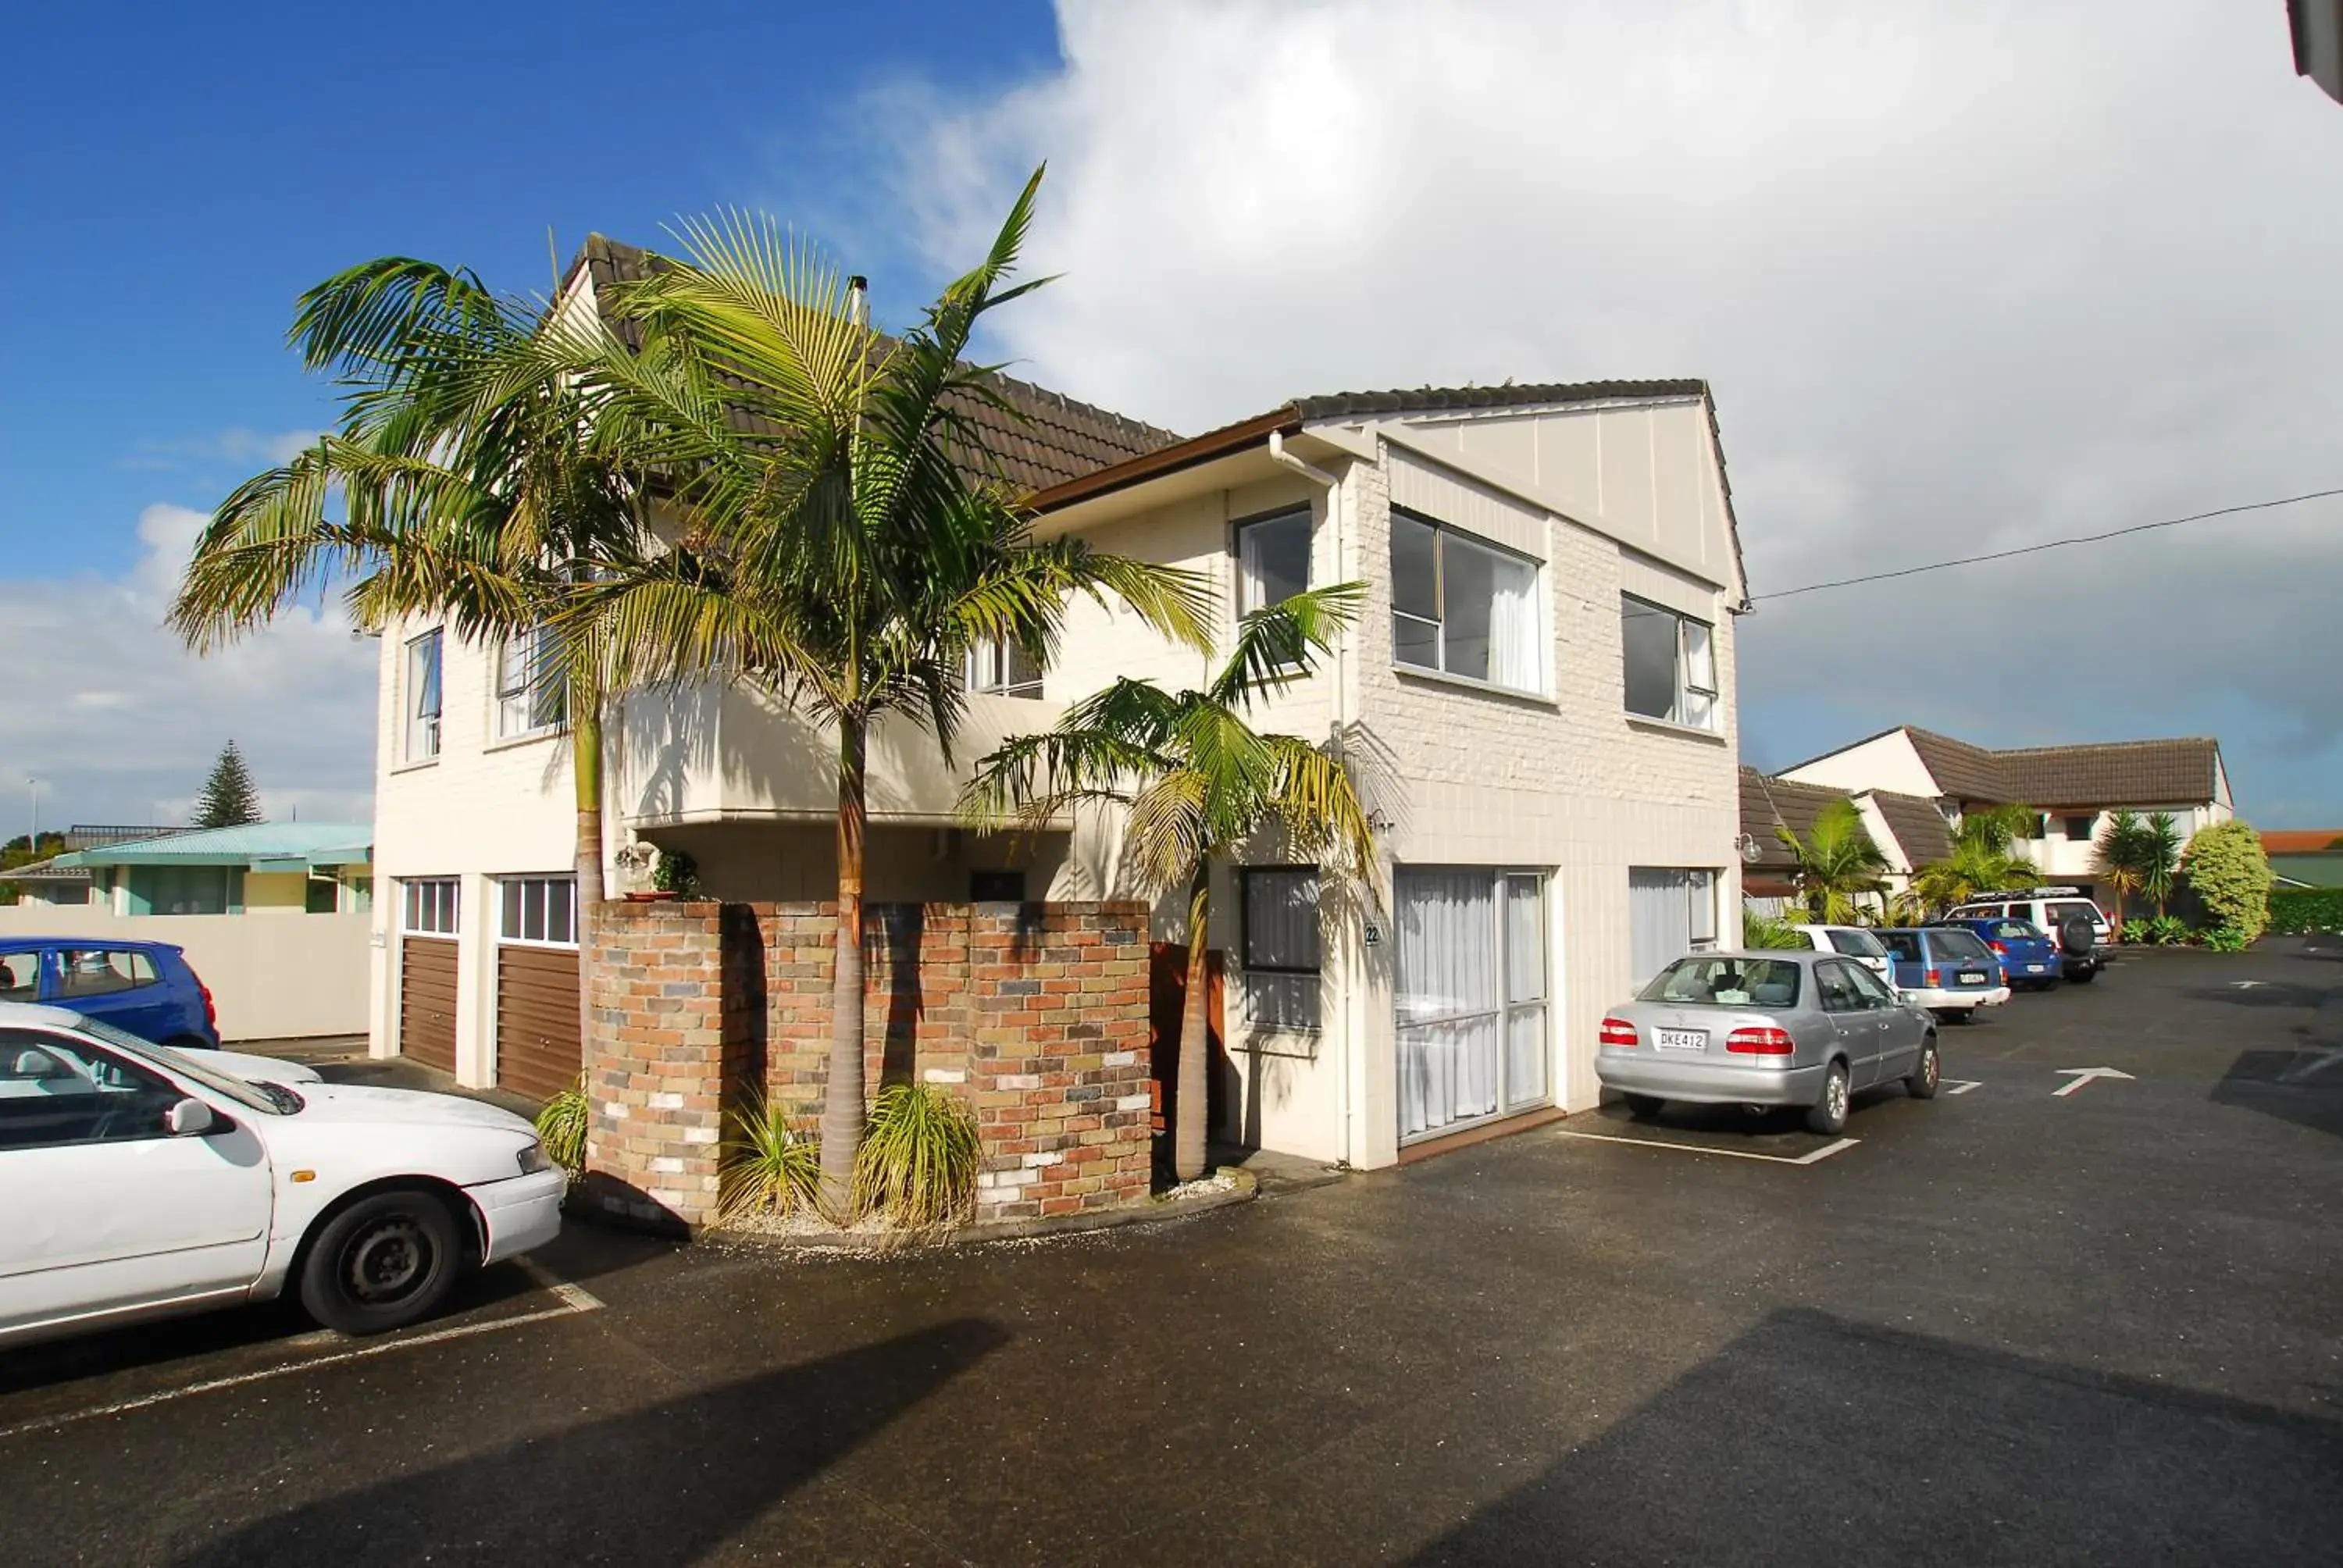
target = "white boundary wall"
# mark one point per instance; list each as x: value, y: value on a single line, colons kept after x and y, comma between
x: 271, y: 979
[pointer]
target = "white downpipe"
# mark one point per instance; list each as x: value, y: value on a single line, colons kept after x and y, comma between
x: 1311, y: 471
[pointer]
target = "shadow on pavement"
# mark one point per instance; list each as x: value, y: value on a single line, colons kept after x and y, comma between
x: 1810, y: 1438
x: 662, y: 1485
x: 2304, y: 1087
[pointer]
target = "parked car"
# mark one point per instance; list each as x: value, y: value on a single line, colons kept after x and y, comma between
x: 146, y: 989
x: 1947, y: 970
x: 2056, y: 911
x: 253, y: 1069
x: 2030, y: 960
x: 1781, y: 1027
x: 1854, y: 942
x: 153, y: 1183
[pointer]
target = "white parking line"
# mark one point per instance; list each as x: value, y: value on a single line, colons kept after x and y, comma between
x: 1824, y: 1152
x: 1958, y: 1085
x: 576, y: 1300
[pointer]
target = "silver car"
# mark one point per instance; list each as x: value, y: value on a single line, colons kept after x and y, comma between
x: 1777, y: 1028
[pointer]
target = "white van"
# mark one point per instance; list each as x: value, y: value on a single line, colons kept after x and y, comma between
x: 2049, y: 909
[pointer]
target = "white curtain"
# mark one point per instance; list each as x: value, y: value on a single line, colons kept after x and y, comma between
x: 1281, y: 933
x: 1659, y: 920
x: 1515, y: 659
x: 1526, y: 1030
x: 1448, y: 1004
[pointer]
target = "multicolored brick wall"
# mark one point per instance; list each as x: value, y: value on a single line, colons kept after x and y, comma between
x: 1033, y: 1014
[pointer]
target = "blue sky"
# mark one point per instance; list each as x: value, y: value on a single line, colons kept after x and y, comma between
x: 1962, y: 278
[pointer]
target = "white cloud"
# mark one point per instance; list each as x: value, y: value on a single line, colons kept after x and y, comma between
x: 121, y: 724
x: 1963, y: 278
x: 235, y: 447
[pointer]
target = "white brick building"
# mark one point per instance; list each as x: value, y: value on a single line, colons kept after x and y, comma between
x: 1540, y: 563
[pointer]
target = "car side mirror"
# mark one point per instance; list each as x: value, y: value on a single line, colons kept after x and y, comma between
x: 188, y: 1118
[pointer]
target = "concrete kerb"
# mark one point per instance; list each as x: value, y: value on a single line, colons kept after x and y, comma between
x: 1162, y: 1210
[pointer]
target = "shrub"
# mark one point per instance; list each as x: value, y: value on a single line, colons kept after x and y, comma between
x: 918, y: 1162
x: 2226, y: 939
x: 764, y: 1165
x: 2160, y: 931
x: 1760, y: 929
x: 2297, y: 911
x: 2231, y: 876
x: 561, y: 1127
x: 677, y: 873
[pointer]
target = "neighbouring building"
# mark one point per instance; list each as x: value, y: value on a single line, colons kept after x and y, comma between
x: 2305, y: 857
x: 1538, y: 701
x: 1910, y: 831
x: 2072, y: 788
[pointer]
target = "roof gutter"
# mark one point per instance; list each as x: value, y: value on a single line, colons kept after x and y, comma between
x: 1188, y: 454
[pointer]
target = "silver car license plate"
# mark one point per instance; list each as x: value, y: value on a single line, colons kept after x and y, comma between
x: 1680, y: 1038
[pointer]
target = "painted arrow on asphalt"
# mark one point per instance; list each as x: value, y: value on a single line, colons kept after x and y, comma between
x: 2082, y: 1075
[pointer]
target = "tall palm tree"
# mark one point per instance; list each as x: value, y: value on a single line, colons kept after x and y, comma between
x: 1838, y: 863
x: 1199, y: 783
x: 2159, y: 859
x: 461, y: 482
x: 842, y: 537
x: 2121, y: 856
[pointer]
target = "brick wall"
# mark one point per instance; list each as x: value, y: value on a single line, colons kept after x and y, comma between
x: 1034, y: 1014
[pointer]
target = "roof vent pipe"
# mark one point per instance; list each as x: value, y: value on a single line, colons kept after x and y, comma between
x: 858, y: 301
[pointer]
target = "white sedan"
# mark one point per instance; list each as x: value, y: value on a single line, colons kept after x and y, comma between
x: 142, y: 1182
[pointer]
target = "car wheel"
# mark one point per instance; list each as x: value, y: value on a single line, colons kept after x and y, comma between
x: 2082, y: 977
x: 1828, y: 1115
x: 1643, y: 1107
x: 383, y: 1262
x: 1922, y: 1083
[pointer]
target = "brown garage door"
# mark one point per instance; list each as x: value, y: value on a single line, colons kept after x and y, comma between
x: 537, y: 1053
x: 426, y: 1001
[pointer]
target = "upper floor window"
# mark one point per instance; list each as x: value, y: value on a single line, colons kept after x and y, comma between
x: 1272, y: 560
x: 1002, y: 667
x: 422, y: 699
x: 2081, y: 827
x: 1670, y: 664
x: 1463, y: 607
x: 532, y: 684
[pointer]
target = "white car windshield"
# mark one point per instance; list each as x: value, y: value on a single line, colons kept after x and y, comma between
x: 270, y: 1099
x: 1857, y: 944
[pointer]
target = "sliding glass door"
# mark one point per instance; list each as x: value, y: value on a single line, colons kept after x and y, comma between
x: 1471, y: 1000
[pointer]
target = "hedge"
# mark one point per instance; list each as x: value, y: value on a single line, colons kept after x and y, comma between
x: 2293, y: 911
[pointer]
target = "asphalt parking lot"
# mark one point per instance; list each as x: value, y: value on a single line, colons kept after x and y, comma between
x: 2010, y: 1325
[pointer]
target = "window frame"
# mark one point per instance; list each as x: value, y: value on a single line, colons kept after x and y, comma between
x: 2091, y: 833
x: 1000, y: 651
x: 1246, y: 876
x: 1245, y: 583
x: 1539, y: 637
x: 541, y: 883
x: 1684, y: 688
x: 432, y: 726
x: 535, y: 697
x: 451, y: 905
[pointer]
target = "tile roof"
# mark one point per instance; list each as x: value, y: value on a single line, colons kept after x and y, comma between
x: 2302, y: 840
x: 1045, y: 438
x: 1768, y: 804
x: 45, y: 871
x: 2180, y: 771
x: 1918, y: 824
x: 1960, y: 769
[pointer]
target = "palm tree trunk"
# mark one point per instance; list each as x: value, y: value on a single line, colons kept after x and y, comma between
x: 842, y: 1109
x: 585, y: 773
x: 1191, y: 1097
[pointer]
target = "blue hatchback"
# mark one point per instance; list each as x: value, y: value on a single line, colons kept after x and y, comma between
x: 147, y: 989
x: 2029, y: 959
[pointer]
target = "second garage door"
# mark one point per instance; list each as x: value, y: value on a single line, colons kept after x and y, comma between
x: 538, y: 1051
x: 426, y: 971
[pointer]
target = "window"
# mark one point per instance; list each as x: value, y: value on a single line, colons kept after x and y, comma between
x: 1463, y: 607
x: 20, y: 976
x: 1003, y: 668
x: 1905, y: 945
x: 1272, y: 560
x: 422, y: 700
x: 1836, y: 982
x: 324, y: 896
x: 532, y: 684
x: 1875, y: 991
x: 101, y: 972
x: 1670, y: 913
x: 1958, y: 946
x: 1279, y: 917
x: 1857, y: 944
x: 430, y: 906
x: 1670, y: 664
x: 1728, y: 982
x: 540, y: 909
x: 1474, y: 1040
x: 2081, y: 827
x: 56, y: 1091
x: 996, y: 887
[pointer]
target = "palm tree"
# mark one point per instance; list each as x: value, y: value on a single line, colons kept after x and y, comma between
x: 1199, y: 783
x: 2159, y: 859
x: 468, y: 488
x: 1983, y: 858
x: 2122, y: 856
x: 1838, y: 863
x: 842, y: 537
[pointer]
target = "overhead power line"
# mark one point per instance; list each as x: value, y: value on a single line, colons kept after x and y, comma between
x: 2049, y: 545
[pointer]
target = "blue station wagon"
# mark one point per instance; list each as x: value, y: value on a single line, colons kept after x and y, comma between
x: 146, y: 989
x: 1947, y: 970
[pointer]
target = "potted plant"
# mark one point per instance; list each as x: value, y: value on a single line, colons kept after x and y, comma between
x: 638, y: 877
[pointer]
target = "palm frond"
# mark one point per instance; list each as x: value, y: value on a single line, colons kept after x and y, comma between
x: 1276, y: 645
